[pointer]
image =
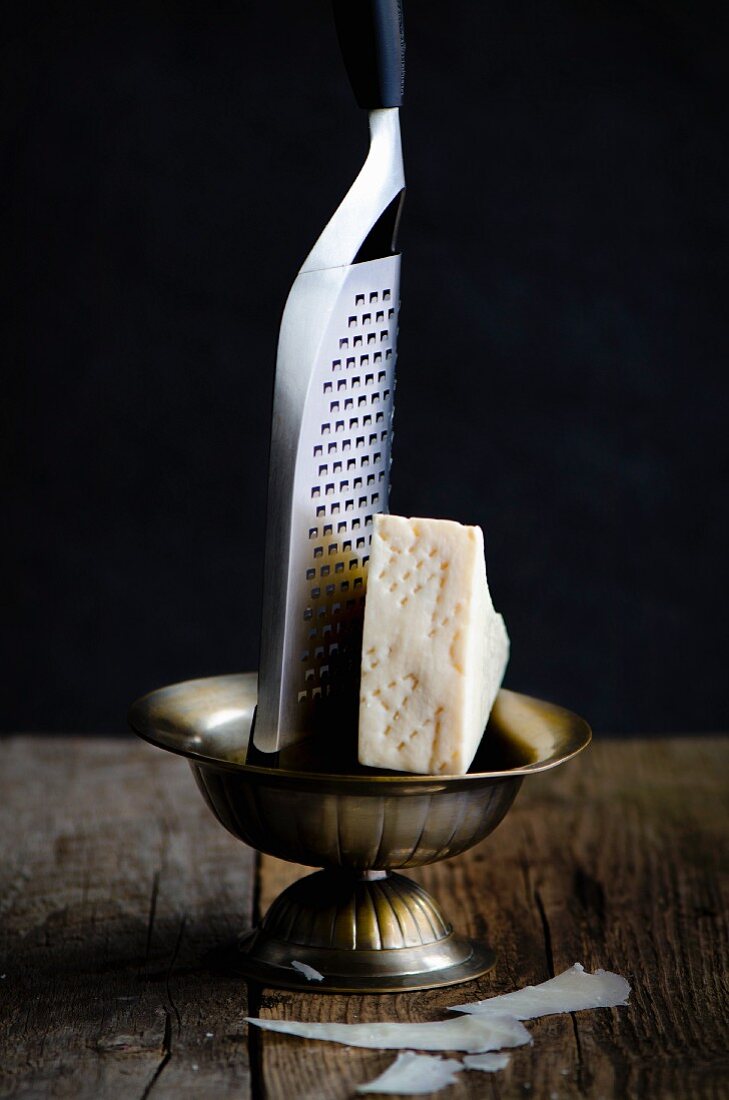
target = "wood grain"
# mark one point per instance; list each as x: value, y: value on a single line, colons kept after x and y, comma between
x: 616, y: 860
x: 114, y: 884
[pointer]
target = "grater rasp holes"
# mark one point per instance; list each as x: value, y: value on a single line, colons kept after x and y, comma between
x: 349, y: 483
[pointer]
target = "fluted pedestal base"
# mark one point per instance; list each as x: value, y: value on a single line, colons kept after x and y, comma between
x: 376, y: 933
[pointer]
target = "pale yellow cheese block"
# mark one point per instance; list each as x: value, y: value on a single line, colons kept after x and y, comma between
x: 434, y: 650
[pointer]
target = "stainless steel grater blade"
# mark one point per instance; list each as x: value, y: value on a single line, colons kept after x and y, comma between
x: 331, y: 434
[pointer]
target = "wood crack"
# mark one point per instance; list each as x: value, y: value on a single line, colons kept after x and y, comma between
x: 166, y: 1055
x: 254, y: 998
x: 167, y: 1036
x: 546, y: 932
x: 578, y: 1051
x: 151, y: 918
x: 255, y: 1043
x: 173, y: 960
x: 549, y: 952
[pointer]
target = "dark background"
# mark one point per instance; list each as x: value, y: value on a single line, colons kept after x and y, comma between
x: 165, y: 168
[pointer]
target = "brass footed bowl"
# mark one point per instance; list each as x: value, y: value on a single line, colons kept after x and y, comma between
x: 356, y: 922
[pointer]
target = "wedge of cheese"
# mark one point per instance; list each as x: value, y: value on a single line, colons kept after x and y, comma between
x: 434, y: 651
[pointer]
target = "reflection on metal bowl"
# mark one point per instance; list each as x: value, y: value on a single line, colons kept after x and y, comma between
x: 361, y: 926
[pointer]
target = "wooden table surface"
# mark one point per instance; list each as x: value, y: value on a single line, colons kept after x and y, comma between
x: 116, y: 882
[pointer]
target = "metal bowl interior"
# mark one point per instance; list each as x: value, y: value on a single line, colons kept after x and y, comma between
x: 360, y: 819
x: 209, y: 721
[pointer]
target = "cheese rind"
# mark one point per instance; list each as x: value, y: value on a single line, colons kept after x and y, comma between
x: 434, y: 650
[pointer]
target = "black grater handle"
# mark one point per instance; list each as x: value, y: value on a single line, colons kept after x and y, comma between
x: 373, y: 45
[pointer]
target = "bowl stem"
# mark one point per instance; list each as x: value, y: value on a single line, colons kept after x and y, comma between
x: 363, y: 931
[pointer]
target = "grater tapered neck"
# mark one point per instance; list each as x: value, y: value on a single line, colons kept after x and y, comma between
x: 380, y: 181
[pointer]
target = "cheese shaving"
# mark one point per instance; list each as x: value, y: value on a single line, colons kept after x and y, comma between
x: 414, y: 1074
x: 309, y: 972
x: 571, y: 991
x: 487, y: 1063
x: 473, y: 1033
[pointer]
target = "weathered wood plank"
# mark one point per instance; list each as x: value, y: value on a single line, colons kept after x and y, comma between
x: 114, y: 883
x: 616, y: 860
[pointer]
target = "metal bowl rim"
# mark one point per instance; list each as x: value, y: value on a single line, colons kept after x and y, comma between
x: 404, y: 779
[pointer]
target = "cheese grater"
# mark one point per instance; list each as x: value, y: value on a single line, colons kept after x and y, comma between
x: 331, y: 434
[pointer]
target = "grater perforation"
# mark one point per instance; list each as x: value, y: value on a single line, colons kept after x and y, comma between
x: 358, y: 508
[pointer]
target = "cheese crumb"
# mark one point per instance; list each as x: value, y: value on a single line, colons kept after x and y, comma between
x: 434, y: 650
x: 309, y: 972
